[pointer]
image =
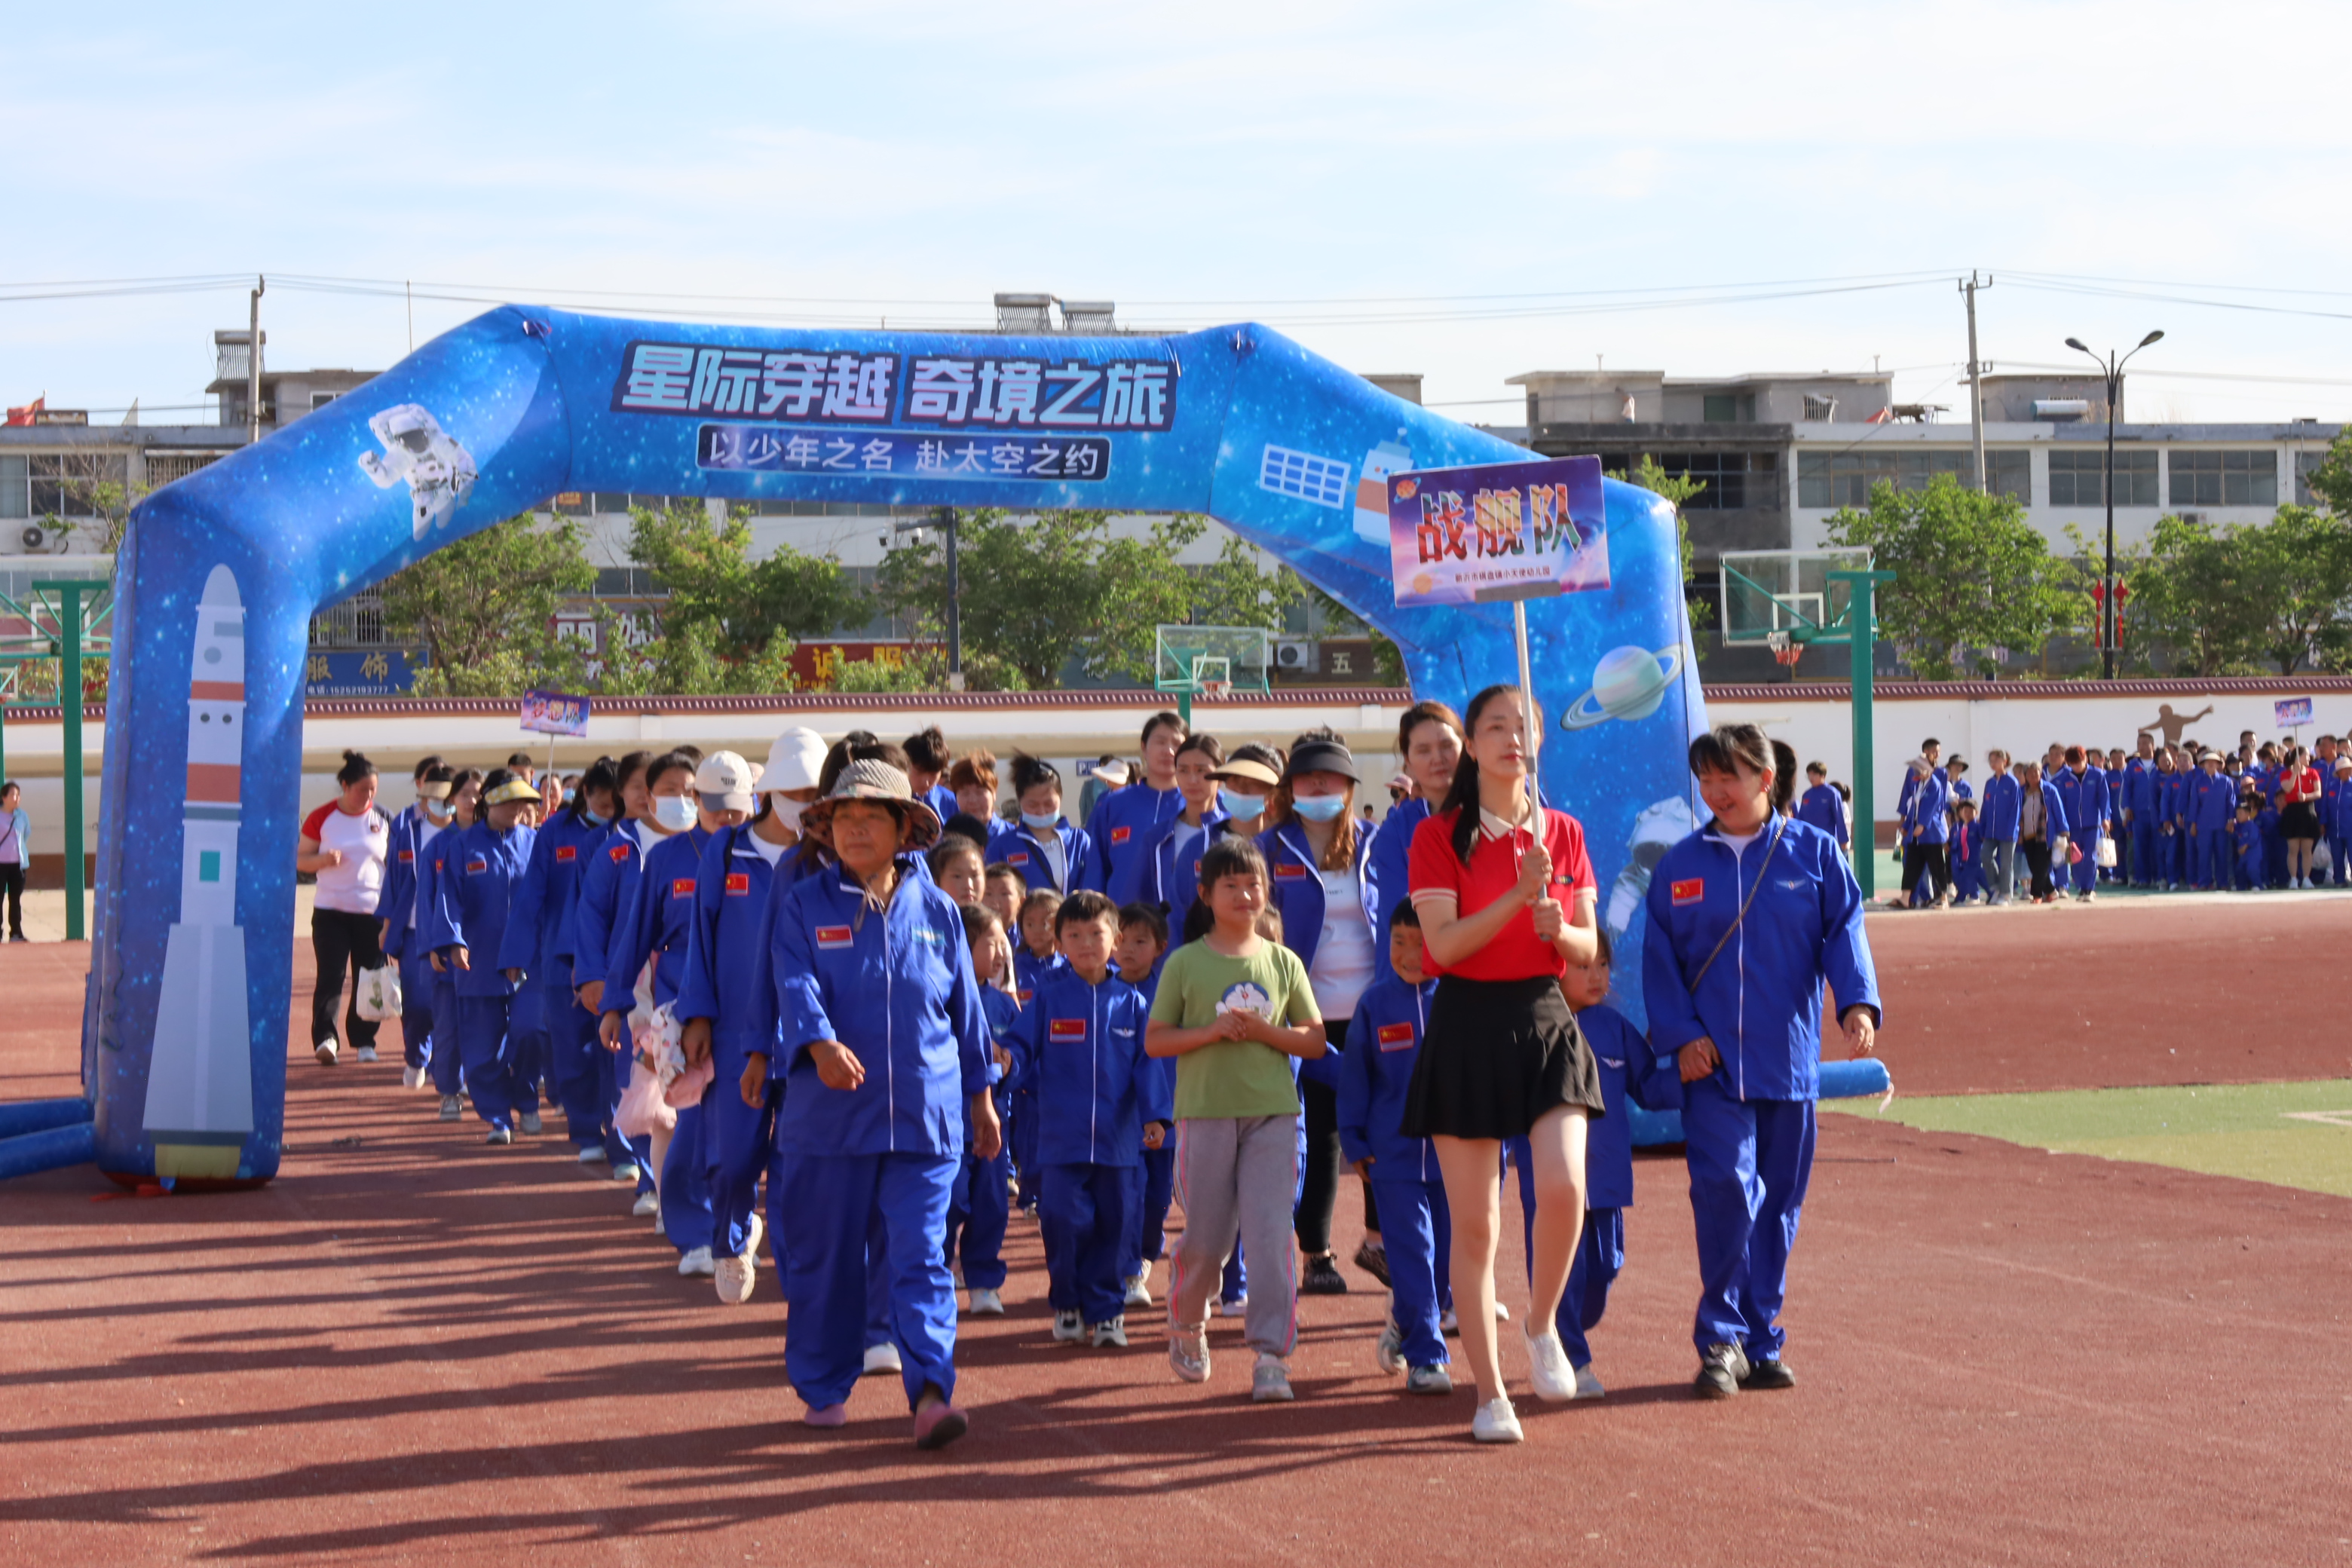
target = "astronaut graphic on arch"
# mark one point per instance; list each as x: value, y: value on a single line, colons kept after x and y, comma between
x: 440, y: 473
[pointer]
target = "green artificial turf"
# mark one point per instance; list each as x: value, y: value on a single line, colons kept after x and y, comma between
x: 2262, y: 1131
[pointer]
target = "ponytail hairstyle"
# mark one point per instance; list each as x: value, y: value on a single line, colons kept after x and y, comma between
x: 1462, y: 795
x: 355, y: 768
x: 1730, y: 748
x: 603, y: 774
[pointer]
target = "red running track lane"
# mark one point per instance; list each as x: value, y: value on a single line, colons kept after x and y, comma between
x: 413, y: 1348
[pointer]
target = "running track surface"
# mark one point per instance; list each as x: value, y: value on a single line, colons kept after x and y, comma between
x: 413, y: 1348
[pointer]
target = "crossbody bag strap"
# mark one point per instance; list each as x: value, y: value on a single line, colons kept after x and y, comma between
x: 1744, y: 903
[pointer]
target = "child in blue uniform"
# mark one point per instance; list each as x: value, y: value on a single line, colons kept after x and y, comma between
x: 448, y: 1064
x: 537, y: 932
x: 1035, y: 956
x: 981, y: 1202
x: 612, y: 866
x: 1143, y: 943
x: 2252, y: 869
x: 1042, y: 846
x: 1126, y: 823
x: 1099, y: 1106
x: 473, y: 888
x: 2211, y: 815
x: 1968, y: 854
x: 1822, y: 806
x: 412, y: 831
x: 1384, y: 1043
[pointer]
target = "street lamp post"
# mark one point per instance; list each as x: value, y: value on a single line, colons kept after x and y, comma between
x: 2113, y: 369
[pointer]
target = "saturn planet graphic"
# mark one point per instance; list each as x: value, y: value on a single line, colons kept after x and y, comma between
x: 1628, y: 683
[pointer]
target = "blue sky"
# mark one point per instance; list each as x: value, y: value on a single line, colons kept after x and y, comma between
x: 1468, y: 192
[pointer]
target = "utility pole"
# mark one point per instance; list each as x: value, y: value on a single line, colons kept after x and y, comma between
x: 955, y: 602
x: 1976, y: 393
x: 253, y: 366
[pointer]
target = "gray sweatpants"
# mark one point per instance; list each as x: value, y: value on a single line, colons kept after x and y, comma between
x: 1238, y: 1176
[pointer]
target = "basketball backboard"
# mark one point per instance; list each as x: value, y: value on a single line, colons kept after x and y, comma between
x: 1217, y: 659
x: 1768, y: 592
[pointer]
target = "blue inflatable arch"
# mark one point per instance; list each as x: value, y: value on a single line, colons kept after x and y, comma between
x: 184, y: 1036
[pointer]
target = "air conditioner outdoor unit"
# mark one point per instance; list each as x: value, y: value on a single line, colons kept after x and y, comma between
x: 1294, y: 654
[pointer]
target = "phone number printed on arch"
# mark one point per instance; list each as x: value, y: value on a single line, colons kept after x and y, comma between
x: 781, y: 449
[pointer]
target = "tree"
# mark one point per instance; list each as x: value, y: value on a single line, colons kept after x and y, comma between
x: 2229, y: 600
x: 737, y: 607
x: 2298, y: 567
x: 1652, y: 476
x: 485, y: 607
x: 1971, y: 576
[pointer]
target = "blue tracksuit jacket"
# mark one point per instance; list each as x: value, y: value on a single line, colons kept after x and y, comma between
x: 1825, y: 808
x: 896, y: 988
x: 1997, y: 815
x: 1629, y: 1069
x: 653, y: 920
x: 1297, y: 888
x: 613, y: 871
x: 1016, y: 844
x: 1386, y: 874
x: 1081, y: 1053
x: 538, y: 928
x: 402, y: 856
x: 1924, y: 804
x: 1384, y: 1042
x: 1029, y: 970
x: 1760, y: 1000
x: 1122, y: 831
x: 1172, y: 877
x: 473, y: 889
x: 2085, y: 797
x: 725, y: 978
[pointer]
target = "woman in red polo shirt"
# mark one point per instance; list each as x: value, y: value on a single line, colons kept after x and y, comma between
x: 2299, y: 796
x: 1506, y: 896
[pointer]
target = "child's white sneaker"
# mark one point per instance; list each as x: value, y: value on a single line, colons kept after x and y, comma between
x: 1496, y: 1421
x: 1432, y: 1379
x: 1069, y: 1327
x: 1388, y: 1354
x: 412, y: 1078
x: 364, y: 1053
x: 325, y: 1052
x: 1112, y: 1332
x: 735, y: 1279
x: 698, y: 1260
x: 1188, y: 1354
x: 1588, y: 1383
x: 986, y: 1303
x: 1548, y: 1367
x: 1138, y: 1294
x: 882, y: 1360
x: 1270, y: 1381
x: 648, y: 1202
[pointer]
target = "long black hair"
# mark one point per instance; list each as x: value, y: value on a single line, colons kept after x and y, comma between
x: 1462, y: 795
x: 603, y: 774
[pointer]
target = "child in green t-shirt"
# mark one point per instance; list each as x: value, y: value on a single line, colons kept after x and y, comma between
x: 1233, y: 1009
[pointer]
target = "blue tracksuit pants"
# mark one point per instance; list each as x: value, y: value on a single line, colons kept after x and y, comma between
x: 1749, y: 1163
x: 1024, y: 1144
x: 448, y: 1062
x: 2146, y: 866
x: 416, y: 1011
x: 833, y: 1201
x: 736, y: 1139
x: 1084, y: 1213
x: 977, y: 1218
x: 2086, y: 870
x: 686, y: 1184
x: 1599, y: 1255
x: 487, y: 1049
x: 1419, y: 1231
x: 572, y: 1050
x: 2216, y: 856
x: 526, y: 1023
x: 1149, y: 1241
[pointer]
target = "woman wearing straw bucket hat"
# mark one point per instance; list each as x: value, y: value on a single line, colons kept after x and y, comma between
x: 884, y: 1052
x: 727, y: 1001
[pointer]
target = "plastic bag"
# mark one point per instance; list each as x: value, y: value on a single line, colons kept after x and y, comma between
x: 642, y: 1110
x: 2320, y: 859
x: 379, y: 997
x: 2106, y: 854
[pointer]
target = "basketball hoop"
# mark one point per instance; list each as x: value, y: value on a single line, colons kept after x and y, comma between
x: 1215, y: 690
x: 1786, y: 651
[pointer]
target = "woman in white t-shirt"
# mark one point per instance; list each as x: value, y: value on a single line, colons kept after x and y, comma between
x: 1315, y: 851
x: 343, y: 844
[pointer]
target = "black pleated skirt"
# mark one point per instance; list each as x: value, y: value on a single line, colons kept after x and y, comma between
x: 2298, y: 821
x: 1498, y: 1054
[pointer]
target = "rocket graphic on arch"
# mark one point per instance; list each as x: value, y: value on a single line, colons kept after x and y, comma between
x: 200, y: 1073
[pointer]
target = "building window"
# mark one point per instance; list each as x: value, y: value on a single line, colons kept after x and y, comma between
x: 320, y: 399
x: 1728, y: 408
x: 1733, y: 479
x: 14, y: 501
x: 1826, y: 480
x: 2224, y: 479
x: 2074, y: 479
x: 2305, y: 464
x: 75, y: 484
x: 1819, y: 410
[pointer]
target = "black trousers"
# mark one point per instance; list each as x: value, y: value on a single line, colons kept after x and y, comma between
x: 344, y: 941
x: 1934, y: 859
x: 12, y: 882
x: 1318, y: 1187
x: 2037, y: 860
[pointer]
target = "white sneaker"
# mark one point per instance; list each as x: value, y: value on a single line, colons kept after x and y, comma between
x: 698, y: 1260
x: 1111, y: 1332
x: 593, y: 1155
x: 753, y: 1234
x: 1068, y: 1328
x: 1389, y: 1353
x: 1447, y: 1323
x: 364, y: 1053
x: 1137, y: 1293
x: 325, y: 1052
x: 1548, y: 1367
x: 987, y: 1303
x: 1502, y: 1313
x: 530, y: 1122
x: 626, y: 1170
x: 882, y: 1360
x: 648, y: 1202
x: 734, y: 1280
x: 1588, y: 1383
x: 1496, y: 1421
x: 1270, y: 1381
x: 412, y: 1078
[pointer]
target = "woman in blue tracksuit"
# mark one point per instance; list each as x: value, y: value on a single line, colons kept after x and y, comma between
x: 1042, y: 846
x: 1126, y: 823
x: 1315, y: 855
x: 473, y: 888
x: 1429, y: 740
x: 2083, y: 787
x: 652, y: 923
x: 1173, y: 859
x: 536, y: 951
x: 1926, y: 829
x: 449, y: 1064
x: 727, y: 1000
x: 885, y: 1055
x: 412, y: 831
x: 610, y: 873
x: 1748, y: 916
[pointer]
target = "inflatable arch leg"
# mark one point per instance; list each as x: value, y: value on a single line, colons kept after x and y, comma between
x: 184, y: 1028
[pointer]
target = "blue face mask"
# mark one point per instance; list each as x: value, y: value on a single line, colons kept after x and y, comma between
x: 1240, y: 807
x: 673, y: 812
x: 591, y: 814
x: 1042, y: 824
x: 1319, y: 807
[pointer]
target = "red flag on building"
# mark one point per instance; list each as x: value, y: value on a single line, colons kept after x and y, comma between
x: 31, y: 413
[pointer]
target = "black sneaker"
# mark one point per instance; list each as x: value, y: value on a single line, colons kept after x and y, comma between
x: 1374, y: 1261
x: 1771, y: 1372
x: 1721, y: 1371
x: 1323, y: 1278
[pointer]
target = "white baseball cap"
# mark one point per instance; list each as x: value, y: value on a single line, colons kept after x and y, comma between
x: 794, y: 762
x: 724, y: 781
